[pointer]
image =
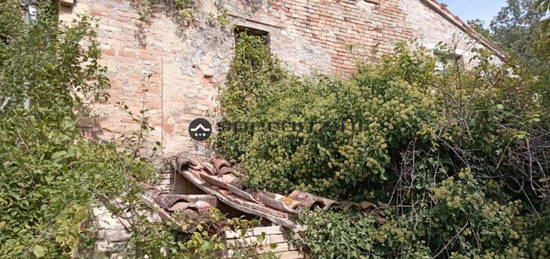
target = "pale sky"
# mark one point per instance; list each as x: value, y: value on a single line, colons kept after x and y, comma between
x: 471, y: 9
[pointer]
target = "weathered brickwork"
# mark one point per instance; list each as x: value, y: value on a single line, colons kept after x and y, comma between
x: 429, y: 28
x: 172, y: 72
x: 369, y: 27
x: 176, y: 72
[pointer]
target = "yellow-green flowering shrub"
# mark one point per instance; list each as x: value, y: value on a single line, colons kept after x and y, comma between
x: 388, y: 107
x: 458, y: 221
x: 414, y: 117
x: 460, y: 156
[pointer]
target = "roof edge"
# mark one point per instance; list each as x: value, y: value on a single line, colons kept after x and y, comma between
x: 448, y: 15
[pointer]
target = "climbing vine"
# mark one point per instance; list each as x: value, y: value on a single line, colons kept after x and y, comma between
x: 184, y: 11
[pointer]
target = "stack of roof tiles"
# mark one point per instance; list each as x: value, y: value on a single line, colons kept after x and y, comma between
x: 219, y: 182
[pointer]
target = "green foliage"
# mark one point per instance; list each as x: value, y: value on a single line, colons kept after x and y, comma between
x: 544, y: 8
x: 521, y: 28
x: 206, y: 241
x: 354, y: 235
x: 432, y: 139
x: 50, y: 176
x: 463, y: 118
x: 479, y: 26
x: 185, y: 12
x: 515, y: 25
x: 325, y: 160
x: 458, y: 221
x: 543, y: 5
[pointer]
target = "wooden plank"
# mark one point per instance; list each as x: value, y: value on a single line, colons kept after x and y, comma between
x: 269, y: 230
x: 272, y: 230
x: 281, y: 247
x: 273, y: 239
x: 68, y: 3
x: 289, y: 255
x: 282, y: 250
x: 200, y: 183
x: 276, y: 239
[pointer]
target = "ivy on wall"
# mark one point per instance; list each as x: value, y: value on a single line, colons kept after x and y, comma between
x: 185, y: 12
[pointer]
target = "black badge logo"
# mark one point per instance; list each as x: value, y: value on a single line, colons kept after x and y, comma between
x: 200, y: 129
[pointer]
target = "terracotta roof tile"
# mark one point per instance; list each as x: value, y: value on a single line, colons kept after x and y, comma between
x: 216, y: 179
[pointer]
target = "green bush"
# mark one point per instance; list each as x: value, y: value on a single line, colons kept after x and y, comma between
x: 459, y: 155
x: 51, y: 177
x: 323, y: 159
x: 461, y: 222
x: 452, y: 118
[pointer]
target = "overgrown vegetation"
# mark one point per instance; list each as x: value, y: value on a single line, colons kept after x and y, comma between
x: 185, y: 12
x: 50, y: 176
x: 459, y: 156
x: 521, y: 29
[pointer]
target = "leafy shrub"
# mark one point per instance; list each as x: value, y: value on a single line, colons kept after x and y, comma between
x: 460, y: 223
x: 50, y: 176
x: 462, y: 117
x: 206, y: 241
x: 354, y: 235
x: 460, y: 155
x: 322, y: 158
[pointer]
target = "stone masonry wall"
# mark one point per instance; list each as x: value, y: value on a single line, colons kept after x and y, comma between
x: 430, y: 29
x: 176, y: 72
x: 370, y: 27
x: 172, y: 72
x: 112, y: 236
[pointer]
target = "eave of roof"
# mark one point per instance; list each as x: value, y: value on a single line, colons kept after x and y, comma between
x: 442, y: 10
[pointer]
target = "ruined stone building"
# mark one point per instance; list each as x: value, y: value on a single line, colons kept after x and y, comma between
x: 176, y: 70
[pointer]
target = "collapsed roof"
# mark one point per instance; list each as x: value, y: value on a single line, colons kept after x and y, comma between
x: 219, y: 186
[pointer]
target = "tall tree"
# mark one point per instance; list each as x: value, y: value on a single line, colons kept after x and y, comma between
x: 479, y: 26
x: 544, y: 7
x: 517, y: 27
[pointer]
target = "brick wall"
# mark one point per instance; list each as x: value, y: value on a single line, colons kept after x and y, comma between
x: 176, y: 71
x: 173, y: 72
x: 332, y: 25
x: 429, y: 28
